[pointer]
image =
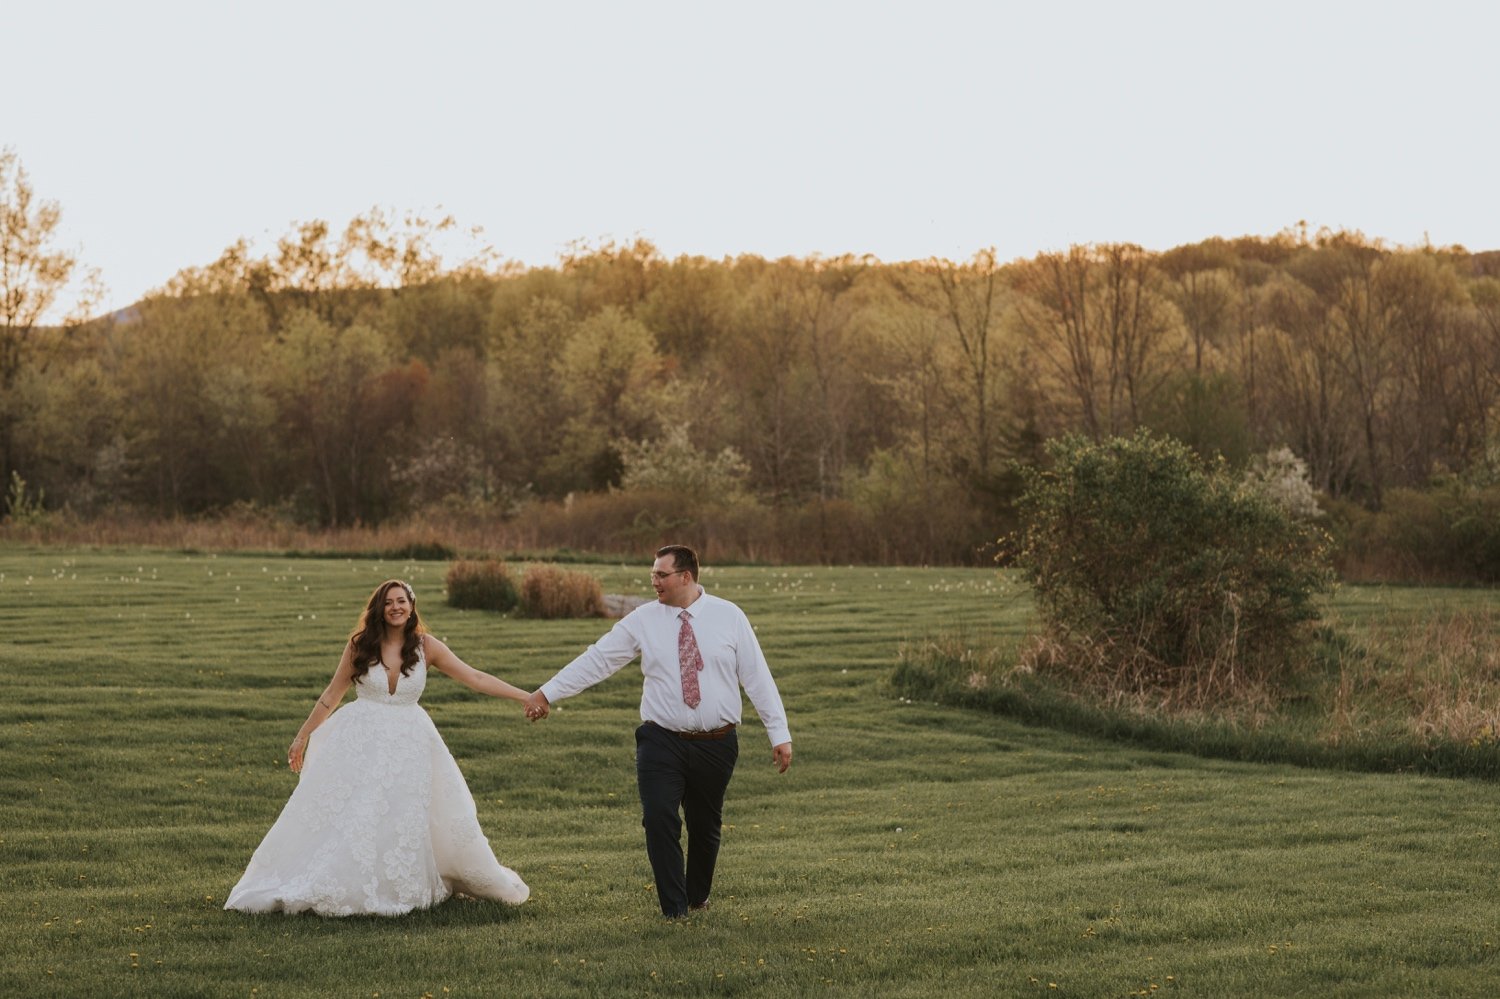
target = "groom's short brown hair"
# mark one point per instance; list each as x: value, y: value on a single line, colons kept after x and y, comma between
x: 683, y: 558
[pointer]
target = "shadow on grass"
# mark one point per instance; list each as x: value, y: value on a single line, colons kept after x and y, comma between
x: 456, y: 912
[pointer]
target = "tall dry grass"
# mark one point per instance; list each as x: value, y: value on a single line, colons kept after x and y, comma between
x: 1118, y: 673
x: 624, y: 524
x: 438, y: 537
x: 550, y: 591
x: 1441, y: 676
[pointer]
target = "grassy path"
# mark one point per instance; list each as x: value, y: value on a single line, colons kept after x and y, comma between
x: 912, y: 850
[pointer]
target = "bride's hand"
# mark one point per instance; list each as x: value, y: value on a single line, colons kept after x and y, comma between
x: 294, y: 754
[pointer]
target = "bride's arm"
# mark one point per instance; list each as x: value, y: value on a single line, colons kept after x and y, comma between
x: 442, y: 657
x: 327, y: 701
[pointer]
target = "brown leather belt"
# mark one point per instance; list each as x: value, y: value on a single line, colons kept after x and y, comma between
x: 717, y: 733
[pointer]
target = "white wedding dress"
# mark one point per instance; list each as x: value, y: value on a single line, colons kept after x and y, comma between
x: 381, y: 821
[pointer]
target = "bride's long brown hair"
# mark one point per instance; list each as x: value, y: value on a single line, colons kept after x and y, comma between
x: 366, y: 636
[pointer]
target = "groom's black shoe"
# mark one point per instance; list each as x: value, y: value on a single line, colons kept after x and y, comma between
x: 700, y: 907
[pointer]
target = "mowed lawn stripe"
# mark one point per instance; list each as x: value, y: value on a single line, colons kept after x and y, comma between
x: 913, y: 850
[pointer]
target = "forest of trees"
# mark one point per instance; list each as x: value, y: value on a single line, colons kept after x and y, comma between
x: 353, y: 378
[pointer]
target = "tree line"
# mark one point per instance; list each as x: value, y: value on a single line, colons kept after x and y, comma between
x: 352, y: 377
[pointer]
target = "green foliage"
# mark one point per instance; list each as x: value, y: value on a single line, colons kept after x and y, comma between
x: 351, y: 378
x: 35, y: 279
x: 611, y: 380
x: 348, y: 417
x: 35, y: 272
x: 1450, y: 533
x: 429, y: 550
x: 672, y: 463
x: 448, y: 474
x: 1205, y: 412
x: 550, y: 591
x: 1155, y: 574
x: 483, y: 585
x: 1359, y: 710
x: 23, y: 509
x: 916, y: 513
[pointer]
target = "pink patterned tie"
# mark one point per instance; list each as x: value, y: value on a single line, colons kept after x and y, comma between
x: 690, y: 661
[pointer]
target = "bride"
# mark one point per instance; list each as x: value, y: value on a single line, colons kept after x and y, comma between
x: 381, y: 821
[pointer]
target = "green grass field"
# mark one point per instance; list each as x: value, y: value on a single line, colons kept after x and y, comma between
x: 1394, y: 680
x: 912, y: 850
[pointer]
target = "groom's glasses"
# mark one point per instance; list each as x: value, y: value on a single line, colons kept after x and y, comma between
x: 659, y: 576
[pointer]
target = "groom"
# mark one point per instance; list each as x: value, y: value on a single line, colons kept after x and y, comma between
x: 696, y: 651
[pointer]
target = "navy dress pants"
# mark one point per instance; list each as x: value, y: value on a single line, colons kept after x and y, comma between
x: 690, y: 776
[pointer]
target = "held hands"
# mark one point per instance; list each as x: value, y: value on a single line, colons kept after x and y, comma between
x: 537, y: 706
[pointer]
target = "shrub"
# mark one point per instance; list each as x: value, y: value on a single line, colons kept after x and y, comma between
x: 912, y: 515
x: 672, y: 463
x: 481, y: 586
x: 22, y: 509
x: 549, y: 591
x: 430, y: 550
x: 1449, y: 533
x: 1156, y: 575
x: 1281, y: 476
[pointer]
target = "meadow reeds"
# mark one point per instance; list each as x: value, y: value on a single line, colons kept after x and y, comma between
x: 550, y: 591
x: 1440, y: 676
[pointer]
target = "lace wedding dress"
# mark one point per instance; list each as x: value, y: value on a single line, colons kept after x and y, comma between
x: 381, y: 821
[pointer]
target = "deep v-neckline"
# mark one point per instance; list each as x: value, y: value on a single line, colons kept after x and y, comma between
x: 392, y: 681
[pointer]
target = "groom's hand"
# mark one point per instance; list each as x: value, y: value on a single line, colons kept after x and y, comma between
x: 537, y: 706
x: 782, y: 756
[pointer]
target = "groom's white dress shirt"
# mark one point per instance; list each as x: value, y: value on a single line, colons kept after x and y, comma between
x: 731, y: 659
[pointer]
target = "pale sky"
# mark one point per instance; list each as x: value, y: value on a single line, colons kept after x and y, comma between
x: 168, y: 130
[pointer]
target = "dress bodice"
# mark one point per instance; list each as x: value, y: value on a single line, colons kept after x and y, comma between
x: 375, y: 684
x: 381, y: 821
